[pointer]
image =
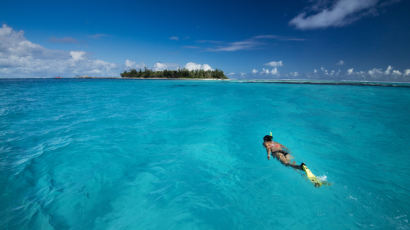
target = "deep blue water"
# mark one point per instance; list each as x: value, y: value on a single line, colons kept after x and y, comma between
x: 157, y: 154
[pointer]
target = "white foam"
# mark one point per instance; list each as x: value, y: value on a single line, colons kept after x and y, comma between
x: 322, y: 178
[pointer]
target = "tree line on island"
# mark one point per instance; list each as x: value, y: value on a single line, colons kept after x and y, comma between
x: 179, y: 73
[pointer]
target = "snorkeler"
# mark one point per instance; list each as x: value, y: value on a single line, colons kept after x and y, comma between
x: 280, y: 152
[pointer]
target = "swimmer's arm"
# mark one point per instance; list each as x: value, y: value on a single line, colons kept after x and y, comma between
x: 268, y: 151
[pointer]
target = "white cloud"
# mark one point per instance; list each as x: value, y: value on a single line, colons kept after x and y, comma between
x: 388, y: 70
x: 265, y: 71
x: 254, y: 71
x: 396, y: 72
x: 130, y: 64
x: 235, y: 46
x: 375, y: 71
x: 174, y: 38
x: 341, y: 13
x: 101, y: 67
x: 21, y: 58
x: 194, y: 66
x: 158, y: 66
x: 315, y: 71
x: 275, y: 63
x: 274, y: 71
x: 77, y: 55
x: 407, y: 72
x: 133, y: 65
x: 374, y: 74
x: 206, y: 67
x: 324, y: 70
x: 247, y: 44
x: 276, y: 37
x: 294, y: 74
x: 341, y: 62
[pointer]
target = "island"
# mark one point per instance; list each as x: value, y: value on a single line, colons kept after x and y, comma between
x: 174, y: 74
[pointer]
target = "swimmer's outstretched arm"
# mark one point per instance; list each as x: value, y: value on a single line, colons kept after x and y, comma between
x: 269, y: 152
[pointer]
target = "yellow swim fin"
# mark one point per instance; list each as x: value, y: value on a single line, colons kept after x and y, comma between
x: 311, y: 176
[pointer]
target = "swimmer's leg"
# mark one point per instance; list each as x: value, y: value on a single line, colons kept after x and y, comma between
x: 284, y: 160
x: 295, y: 166
x: 289, y: 157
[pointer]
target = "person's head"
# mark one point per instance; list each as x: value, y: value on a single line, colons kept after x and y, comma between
x: 267, y: 138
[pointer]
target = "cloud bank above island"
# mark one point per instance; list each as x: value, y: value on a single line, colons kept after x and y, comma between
x: 20, y: 57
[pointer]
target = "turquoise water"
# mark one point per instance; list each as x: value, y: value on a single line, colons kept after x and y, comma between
x: 157, y: 154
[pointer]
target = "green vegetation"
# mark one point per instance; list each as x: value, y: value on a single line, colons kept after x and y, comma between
x: 180, y: 73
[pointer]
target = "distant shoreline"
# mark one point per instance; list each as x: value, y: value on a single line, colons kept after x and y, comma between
x: 151, y: 78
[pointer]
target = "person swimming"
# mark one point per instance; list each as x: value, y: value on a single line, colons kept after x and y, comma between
x: 280, y: 152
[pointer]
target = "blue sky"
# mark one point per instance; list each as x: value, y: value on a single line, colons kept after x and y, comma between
x: 316, y: 39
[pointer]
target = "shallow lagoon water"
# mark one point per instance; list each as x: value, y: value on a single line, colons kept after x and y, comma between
x: 157, y: 154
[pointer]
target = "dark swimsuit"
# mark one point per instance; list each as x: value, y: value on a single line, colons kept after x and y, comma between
x: 281, y: 151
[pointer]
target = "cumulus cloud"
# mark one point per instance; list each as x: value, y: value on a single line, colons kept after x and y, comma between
x: 77, y: 55
x: 133, y: 65
x: 130, y: 64
x: 340, y: 13
x: 158, y: 66
x: 396, y: 72
x: 20, y: 57
x: 341, y: 62
x: 373, y: 74
x: 388, y: 70
x: 322, y: 73
x: 275, y: 63
x: 294, y: 74
x: 265, y: 71
x: 273, y: 71
x: 324, y: 70
x: 194, y: 66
